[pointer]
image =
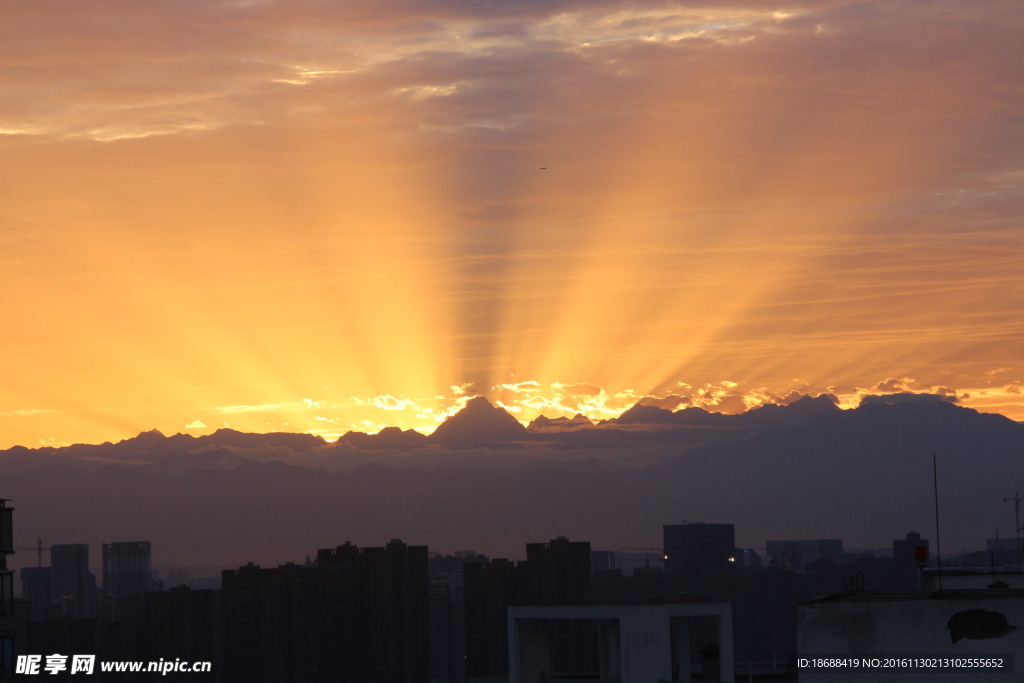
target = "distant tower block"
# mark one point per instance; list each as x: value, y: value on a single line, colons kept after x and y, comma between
x: 696, y: 549
x: 559, y: 572
x: 73, y: 585
x: 127, y: 568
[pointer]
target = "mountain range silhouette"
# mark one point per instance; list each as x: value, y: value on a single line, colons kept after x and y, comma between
x: 484, y: 481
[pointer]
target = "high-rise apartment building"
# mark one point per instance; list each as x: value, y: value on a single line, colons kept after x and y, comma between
x: 489, y: 588
x: 558, y: 572
x: 357, y: 614
x: 695, y: 549
x: 37, y: 588
x: 127, y: 568
x: 73, y: 586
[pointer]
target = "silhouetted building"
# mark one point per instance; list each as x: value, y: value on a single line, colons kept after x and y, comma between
x: 61, y: 634
x: 6, y: 548
x: 358, y: 615
x: 180, y: 623
x: 558, y: 572
x: 748, y: 557
x: 489, y: 589
x: 273, y: 628
x: 796, y: 555
x: 120, y: 627
x: 695, y: 550
x: 555, y: 573
x: 73, y: 585
x: 644, y: 585
x: 448, y: 614
x: 602, y: 559
x: 7, y: 635
x: 37, y: 587
x: 393, y: 606
x: 447, y: 629
x: 127, y: 568
x: 1002, y: 551
x: 438, y: 564
x: 909, y: 557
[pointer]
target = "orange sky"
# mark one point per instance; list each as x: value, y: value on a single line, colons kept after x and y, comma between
x: 320, y: 216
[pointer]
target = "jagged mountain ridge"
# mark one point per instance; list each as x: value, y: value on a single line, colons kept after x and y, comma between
x: 863, y: 475
x: 479, y: 422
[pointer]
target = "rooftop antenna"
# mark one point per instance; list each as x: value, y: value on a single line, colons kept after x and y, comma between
x: 1016, y: 514
x: 938, y: 542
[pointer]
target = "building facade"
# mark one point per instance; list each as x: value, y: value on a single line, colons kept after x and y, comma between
x: 358, y: 615
x: 73, y: 586
x: 696, y: 550
x: 127, y: 568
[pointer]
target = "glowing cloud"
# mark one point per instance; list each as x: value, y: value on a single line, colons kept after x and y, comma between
x: 216, y: 210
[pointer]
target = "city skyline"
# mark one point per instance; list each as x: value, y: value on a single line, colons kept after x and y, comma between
x: 309, y: 217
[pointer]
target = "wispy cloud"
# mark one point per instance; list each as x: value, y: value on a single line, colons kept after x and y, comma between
x: 27, y: 411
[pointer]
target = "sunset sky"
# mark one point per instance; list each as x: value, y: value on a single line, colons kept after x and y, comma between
x: 314, y: 215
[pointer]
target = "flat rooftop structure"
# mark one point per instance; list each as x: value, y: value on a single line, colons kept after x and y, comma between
x: 911, y: 596
x: 958, y: 578
x: 636, y: 643
x: 958, y: 635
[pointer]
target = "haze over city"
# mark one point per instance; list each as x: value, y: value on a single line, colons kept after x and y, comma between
x: 320, y: 217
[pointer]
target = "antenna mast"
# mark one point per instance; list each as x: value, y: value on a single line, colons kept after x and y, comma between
x: 1016, y: 515
x: 938, y: 542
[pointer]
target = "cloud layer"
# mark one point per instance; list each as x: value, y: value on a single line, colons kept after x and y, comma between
x: 567, y: 206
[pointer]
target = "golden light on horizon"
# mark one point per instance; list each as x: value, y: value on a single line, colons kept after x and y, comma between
x: 276, y: 216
